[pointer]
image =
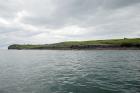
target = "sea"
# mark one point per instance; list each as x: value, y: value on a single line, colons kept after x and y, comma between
x: 69, y: 71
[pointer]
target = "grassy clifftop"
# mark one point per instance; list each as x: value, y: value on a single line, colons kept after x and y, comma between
x: 92, y: 44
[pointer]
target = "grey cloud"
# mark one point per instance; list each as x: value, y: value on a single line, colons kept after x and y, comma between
x: 65, y: 12
x: 8, y: 29
x: 100, y: 18
x: 71, y: 12
x: 9, y: 8
x: 114, y: 4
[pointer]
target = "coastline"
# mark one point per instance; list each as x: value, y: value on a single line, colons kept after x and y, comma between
x: 112, y: 44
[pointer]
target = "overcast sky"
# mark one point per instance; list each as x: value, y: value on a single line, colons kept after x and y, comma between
x: 50, y: 21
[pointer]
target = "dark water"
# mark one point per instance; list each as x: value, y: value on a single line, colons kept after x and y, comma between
x: 104, y: 71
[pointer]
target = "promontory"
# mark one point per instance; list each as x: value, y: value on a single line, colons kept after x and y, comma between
x: 113, y: 44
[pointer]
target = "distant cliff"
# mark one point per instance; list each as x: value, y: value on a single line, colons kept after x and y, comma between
x: 92, y: 44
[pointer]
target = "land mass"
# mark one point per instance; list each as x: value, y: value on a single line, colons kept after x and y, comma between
x: 133, y: 43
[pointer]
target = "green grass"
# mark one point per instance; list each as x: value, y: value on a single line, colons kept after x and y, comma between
x: 118, y: 42
x: 101, y: 42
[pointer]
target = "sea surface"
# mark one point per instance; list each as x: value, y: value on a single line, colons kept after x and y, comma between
x: 69, y: 71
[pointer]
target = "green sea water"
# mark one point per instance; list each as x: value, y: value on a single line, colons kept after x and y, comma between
x: 69, y: 71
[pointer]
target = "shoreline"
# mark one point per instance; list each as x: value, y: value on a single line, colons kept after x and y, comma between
x: 112, y: 44
x: 84, y: 49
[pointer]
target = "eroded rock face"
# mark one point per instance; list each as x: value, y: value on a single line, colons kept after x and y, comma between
x: 78, y: 47
x: 14, y: 46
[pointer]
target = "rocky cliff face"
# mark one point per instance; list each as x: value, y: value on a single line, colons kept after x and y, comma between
x: 78, y: 47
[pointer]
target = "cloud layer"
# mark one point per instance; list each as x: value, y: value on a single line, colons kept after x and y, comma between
x: 49, y: 21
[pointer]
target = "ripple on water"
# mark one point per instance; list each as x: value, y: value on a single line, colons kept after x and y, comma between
x: 70, y: 71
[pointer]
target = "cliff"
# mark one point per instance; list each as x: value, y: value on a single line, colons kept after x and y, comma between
x: 92, y: 44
